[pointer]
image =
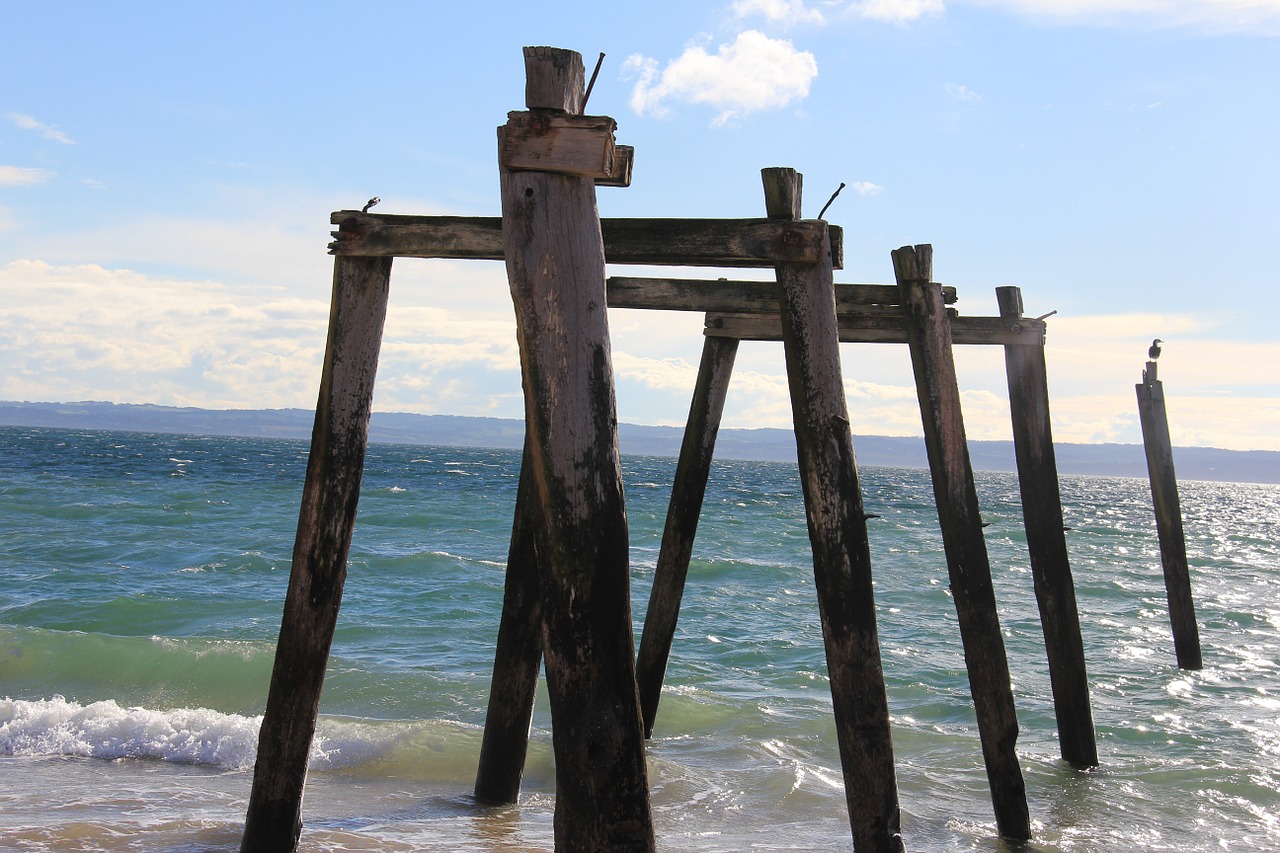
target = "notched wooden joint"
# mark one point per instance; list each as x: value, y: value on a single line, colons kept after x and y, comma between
x: 549, y: 141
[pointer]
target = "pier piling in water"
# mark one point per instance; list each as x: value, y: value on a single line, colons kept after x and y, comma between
x: 567, y: 598
x: 1168, y: 509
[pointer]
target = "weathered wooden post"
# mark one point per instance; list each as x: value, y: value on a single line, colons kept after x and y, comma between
x: 550, y: 157
x: 929, y: 338
x: 1046, y: 540
x: 687, y: 492
x: 325, y: 523
x: 838, y: 533
x: 517, y: 656
x: 1168, y: 509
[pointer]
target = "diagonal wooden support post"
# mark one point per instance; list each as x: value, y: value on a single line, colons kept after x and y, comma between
x: 517, y: 655
x: 929, y: 338
x: 838, y: 533
x: 1046, y: 540
x: 687, y: 493
x: 555, y: 265
x: 325, y: 523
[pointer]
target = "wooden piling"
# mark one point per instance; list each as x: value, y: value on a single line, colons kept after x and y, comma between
x: 929, y: 338
x: 555, y: 266
x: 838, y: 533
x: 1047, y: 541
x: 517, y: 656
x: 687, y: 492
x: 1168, y: 509
x: 325, y: 522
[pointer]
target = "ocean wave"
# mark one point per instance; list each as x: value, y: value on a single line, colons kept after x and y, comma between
x: 421, y: 749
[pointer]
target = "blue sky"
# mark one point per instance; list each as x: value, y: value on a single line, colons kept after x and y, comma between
x: 167, y: 171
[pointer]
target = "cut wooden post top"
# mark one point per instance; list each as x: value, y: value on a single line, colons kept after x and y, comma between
x: 783, y: 188
x: 913, y: 263
x: 553, y: 79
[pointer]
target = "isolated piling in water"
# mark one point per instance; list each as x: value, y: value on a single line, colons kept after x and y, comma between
x: 929, y: 338
x: 1046, y: 540
x: 838, y: 532
x: 325, y: 523
x: 1168, y: 509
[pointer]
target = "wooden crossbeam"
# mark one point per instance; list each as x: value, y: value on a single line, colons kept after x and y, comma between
x: 882, y: 327
x: 724, y: 296
x: 660, y: 242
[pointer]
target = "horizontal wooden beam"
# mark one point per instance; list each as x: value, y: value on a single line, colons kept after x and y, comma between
x: 880, y: 327
x: 659, y: 242
x: 725, y: 296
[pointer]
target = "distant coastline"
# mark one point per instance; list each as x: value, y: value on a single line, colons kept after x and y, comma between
x: 1108, y: 460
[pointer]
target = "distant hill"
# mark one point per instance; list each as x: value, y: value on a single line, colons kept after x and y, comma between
x: 1114, y: 460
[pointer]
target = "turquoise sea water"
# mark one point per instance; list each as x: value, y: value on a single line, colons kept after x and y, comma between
x: 144, y: 575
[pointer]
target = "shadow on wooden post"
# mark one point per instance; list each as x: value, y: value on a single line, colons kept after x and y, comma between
x: 1046, y: 540
x: 929, y: 337
x: 325, y: 523
x: 838, y: 532
x: 1168, y: 509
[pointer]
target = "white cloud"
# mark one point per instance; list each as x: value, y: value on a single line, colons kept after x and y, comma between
x: 784, y: 12
x: 895, y: 11
x: 752, y: 73
x: 48, y: 131
x: 962, y: 93
x: 20, y: 176
x: 866, y: 188
x: 1258, y: 17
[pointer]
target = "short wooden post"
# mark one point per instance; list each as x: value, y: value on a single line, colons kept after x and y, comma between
x: 929, y: 338
x: 838, y: 533
x: 517, y: 656
x: 687, y: 493
x: 555, y: 265
x: 1168, y: 509
x: 325, y: 522
x: 1047, y: 542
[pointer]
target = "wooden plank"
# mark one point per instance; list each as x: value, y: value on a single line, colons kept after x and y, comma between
x: 838, y: 533
x: 623, y: 162
x: 1047, y: 541
x: 883, y: 328
x: 929, y: 337
x: 725, y: 296
x: 556, y: 268
x: 1168, y: 510
x: 517, y: 656
x: 325, y: 523
x: 687, y: 492
x: 556, y: 142
x: 659, y: 242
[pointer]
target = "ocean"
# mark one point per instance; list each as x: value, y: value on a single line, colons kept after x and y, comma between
x: 144, y: 577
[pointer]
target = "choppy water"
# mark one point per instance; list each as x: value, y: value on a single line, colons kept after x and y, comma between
x: 143, y: 578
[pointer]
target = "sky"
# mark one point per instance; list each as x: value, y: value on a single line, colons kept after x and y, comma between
x: 167, y: 171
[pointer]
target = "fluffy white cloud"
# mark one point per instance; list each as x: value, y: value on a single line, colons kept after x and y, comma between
x: 20, y: 176
x: 751, y: 73
x: 895, y: 11
x: 48, y: 131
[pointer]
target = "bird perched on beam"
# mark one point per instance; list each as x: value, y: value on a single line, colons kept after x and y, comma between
x: 1154, y: 351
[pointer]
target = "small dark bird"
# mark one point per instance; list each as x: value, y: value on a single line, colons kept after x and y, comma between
x: 370, y: 204
x: 1154, y: 352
